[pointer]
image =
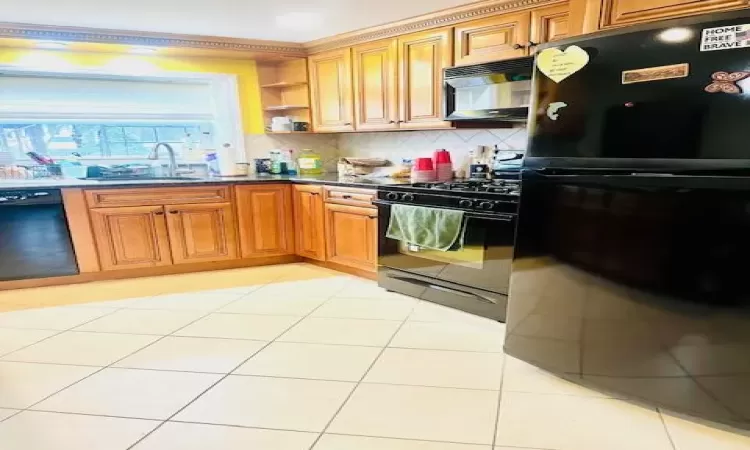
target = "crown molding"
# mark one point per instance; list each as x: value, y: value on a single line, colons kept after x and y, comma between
x: 446, y: 17
x: 261, y: 48
x: 150, y: 39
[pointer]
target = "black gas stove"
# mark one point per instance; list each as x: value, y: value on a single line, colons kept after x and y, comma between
x: 473, y: 277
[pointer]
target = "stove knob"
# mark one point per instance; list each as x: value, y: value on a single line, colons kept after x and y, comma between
x: 408, y: 197
x: 465, y: 203
x: 486, y: 205
x: 391, y: 196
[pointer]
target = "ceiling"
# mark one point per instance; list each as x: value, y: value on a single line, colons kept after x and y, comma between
x: 281, y: 20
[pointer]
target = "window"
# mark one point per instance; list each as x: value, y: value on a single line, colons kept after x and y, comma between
x: 65, y: 140
x: 102, y: 115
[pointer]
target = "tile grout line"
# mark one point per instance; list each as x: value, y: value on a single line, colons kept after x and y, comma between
x: 222, y: 378
x: 29, y: 408
x: 666, y: 428
x: 20, y: 410
x: 359, y: 383
x: 499, y: 402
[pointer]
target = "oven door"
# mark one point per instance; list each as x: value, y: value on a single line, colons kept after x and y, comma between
x: 483, y: 262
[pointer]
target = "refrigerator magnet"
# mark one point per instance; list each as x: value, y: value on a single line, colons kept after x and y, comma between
x: 554, y: 108
x: 725, y: 38
x: 726, y: 82
x: 558, y: 65
x: 655, y: 73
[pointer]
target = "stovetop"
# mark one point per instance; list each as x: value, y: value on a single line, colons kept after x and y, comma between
x: 487, y: 196
x: 498, y: 186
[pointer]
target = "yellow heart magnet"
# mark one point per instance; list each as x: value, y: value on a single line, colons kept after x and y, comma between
x: 559, y: 65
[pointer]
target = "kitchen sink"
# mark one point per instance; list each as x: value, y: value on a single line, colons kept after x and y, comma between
x: 136, y: 178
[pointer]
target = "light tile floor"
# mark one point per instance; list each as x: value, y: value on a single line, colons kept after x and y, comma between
x: 292, y: 358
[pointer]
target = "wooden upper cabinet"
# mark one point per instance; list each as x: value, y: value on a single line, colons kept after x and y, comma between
x: 131, y: 237
x: 265, y: 220
x: 548, y: 24
x: 351, y: 236
x: 331, y: 90
x: 626, y: 12
x: 500, y: 37
x: 375, y: 85
x: 422, y: 58
x: 309, y: 222
x: 202, y: 232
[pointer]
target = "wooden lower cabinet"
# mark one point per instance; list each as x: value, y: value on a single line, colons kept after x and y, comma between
x: 131, y: 237
x: 202, y: 232
x: 351, y: 236
x: 266, y: 224
x: 309, y: 222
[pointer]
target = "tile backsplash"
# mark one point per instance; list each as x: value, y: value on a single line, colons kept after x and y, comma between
x: 326, y: 145
x: 393, y: 146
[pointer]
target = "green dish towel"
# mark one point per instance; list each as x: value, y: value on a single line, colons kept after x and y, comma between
x: 436, y: 229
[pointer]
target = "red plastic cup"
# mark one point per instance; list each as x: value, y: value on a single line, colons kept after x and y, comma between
x: 423, y: 164
x: 442, y: 156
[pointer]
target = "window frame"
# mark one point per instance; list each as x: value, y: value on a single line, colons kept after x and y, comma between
x: 226, y: 126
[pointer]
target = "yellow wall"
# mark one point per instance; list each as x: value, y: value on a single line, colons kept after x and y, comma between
x: 247, y: 76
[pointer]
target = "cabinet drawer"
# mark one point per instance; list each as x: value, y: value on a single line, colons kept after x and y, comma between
x: 349, y: 196
x: 103, y: 198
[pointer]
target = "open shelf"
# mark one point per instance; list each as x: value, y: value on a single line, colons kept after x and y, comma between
x: 290, y: 132
x: 285, y: 107
x: 284, y: 91
x: 283, y: 84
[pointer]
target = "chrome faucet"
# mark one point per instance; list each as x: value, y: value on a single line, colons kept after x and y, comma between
x: 172, y: 161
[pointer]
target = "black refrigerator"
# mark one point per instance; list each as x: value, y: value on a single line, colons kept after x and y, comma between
x: 631, y: 270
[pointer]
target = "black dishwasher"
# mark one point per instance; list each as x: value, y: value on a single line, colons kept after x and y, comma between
x: 34, y: 237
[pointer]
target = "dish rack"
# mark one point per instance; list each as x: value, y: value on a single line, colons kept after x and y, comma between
x: 31, y: 172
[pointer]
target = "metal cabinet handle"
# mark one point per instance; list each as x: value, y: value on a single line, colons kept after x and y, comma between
x: 532, y: 44
x: 347, y: 124
x: 392, y: 121
x: 159, y: 213
x: 346, y: 197
x: 518, y: 46
x: 173, y: 212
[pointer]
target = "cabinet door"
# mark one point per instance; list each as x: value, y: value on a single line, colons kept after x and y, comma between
x: 202, y: 233
x: 309, y: 222
x: 131, y: 237
x: 351, y: 236
x: 375, y: 90
x: 500, y: 37
x: 624, y: 12
x: 548, y: 24
x: 421, y: 59
x: 331, y: 90
x: 265, y: 220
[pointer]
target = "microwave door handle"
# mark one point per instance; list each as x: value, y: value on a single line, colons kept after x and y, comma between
x: 444, y: 289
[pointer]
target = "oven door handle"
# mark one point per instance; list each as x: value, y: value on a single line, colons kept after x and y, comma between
x: 445, y: 289
x: 469, y: 214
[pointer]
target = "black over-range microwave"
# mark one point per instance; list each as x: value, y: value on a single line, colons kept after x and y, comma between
x: 498, y: 91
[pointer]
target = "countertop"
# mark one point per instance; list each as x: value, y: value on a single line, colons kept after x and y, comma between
x: 249, y: 179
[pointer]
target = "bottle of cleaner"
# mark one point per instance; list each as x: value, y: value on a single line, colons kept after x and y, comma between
x: 309, y: 163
